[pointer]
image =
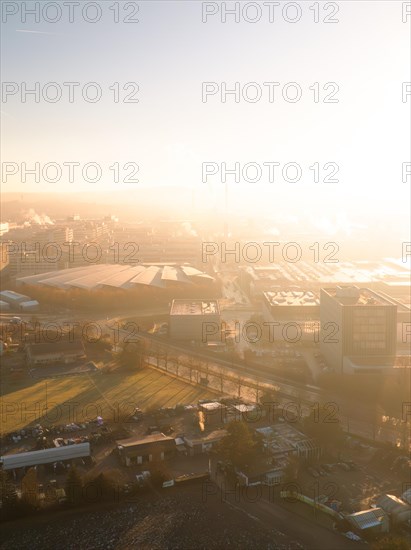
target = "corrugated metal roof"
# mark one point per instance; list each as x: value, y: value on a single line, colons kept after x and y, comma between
x: 151, y: 276
x: 174, y: 274
x: 117, y: 276
x: 367, y: 518
x: 390, y: 503
x: 45, y: 456
x: 122, y: 278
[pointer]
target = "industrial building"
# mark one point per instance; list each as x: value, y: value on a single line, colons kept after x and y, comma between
x: 45, y: 456
x: 390, y: 276
x: 283, y: 440
x: 58, y: 352
x: 17, y: 302
x: 29, y: 306
x: 198, y: 320
x: 356, y: 323
x: 14, y: 299
x: 203, y: 443
x: 150, y: 448
x: 119, y: 276
x: 211, y: 414
x: 291, y: 314
x: 292, y: 305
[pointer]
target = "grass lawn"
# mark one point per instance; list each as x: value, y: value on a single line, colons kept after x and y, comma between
x: 82, y: 398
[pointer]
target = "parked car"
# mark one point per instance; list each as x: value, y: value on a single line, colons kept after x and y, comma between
x: 16, y: 321
x: 313, y: 472
x: 152, y: 429
x: 59, y: 468
x: 167, y: 429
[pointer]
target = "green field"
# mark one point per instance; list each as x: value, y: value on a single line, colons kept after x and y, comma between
x: 81, y: 398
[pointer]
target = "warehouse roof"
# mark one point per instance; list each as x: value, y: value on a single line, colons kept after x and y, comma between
x: 45, y: 456
x: 116, y: 275
x: 390, y: 503
x: 14, y: 296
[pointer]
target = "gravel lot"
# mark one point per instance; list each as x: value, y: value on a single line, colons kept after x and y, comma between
x: 176, y: 519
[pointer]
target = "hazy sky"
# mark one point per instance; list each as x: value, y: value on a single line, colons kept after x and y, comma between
x: 170, y: 52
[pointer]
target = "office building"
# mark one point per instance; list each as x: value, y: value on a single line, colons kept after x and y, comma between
x: 357, y: 325
x: 197, y: 320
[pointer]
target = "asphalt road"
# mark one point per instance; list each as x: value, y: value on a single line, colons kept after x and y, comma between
x: 293, y: 525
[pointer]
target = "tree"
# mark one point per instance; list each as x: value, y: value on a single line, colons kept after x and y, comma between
x: 74, y: 488
x: 162, y: 353
x: 159, y: 473
x: 268, y: 403
x: 29, y: 488
x: 101, y: 487
x: 239, y: 446
x: 292, y: 469
x: 133, y: 354
x: 240, y: 382
x: 392, y: 543
x: 324, y: 426
x: 8, y: 496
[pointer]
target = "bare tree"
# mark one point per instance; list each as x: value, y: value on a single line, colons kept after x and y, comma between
x: 257, y: 390
x: 240, y: 382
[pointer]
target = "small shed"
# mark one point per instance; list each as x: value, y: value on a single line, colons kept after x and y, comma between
x: 369, y: 522
x: 397, y: 509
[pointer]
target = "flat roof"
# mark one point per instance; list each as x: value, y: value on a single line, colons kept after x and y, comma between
x: 215, y: 435
x: 292, y: 298
x: 283, y: 437
x: 194, y: 307
x: 391, y: 361
x: 352, y: 295
x: 65, y: 346
x: 357, y: 271
x: 212, y: 406
x: 143, y: 440
x: 244, y: 408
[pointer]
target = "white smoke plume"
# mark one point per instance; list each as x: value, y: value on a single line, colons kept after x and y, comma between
x: 32, y: 218
x: 189, y: 230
